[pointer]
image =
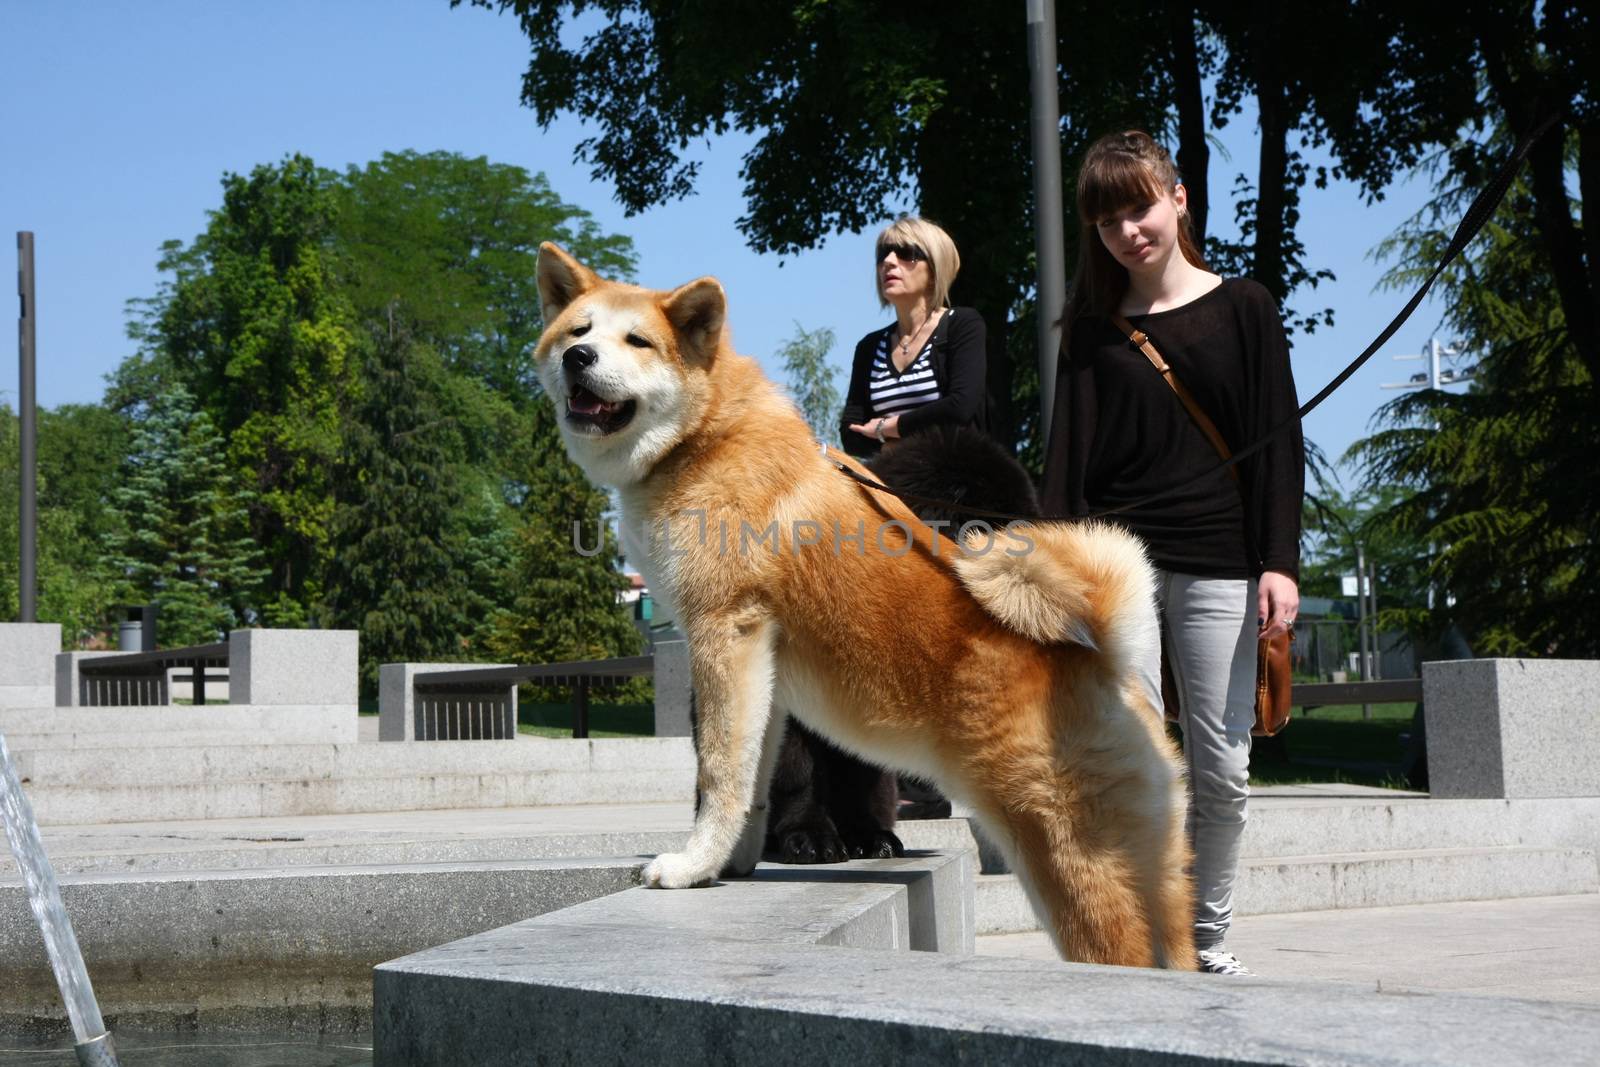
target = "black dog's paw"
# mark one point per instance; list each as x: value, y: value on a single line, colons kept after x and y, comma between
x: 812, y: 844
x: 873, y: 844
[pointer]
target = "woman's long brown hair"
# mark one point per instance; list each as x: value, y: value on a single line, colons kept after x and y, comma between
x: 1120, y: 170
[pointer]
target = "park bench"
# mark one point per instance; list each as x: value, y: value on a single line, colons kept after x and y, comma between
x: 124, y: 679
x: 466, y: 702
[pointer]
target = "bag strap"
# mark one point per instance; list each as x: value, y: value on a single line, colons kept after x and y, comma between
x: 1141, y: 340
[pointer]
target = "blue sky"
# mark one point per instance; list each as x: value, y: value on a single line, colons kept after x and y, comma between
x: 119, y: 120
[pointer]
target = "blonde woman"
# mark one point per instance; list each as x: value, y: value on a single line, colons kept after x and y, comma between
x: 926, y: 368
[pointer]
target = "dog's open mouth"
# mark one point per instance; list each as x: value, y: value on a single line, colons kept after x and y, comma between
x: 605, y: 416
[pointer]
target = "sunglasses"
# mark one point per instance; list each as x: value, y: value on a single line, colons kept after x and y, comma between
x: 904, y: 253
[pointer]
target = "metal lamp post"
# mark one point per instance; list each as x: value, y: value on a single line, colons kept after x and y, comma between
x: 28, y: 527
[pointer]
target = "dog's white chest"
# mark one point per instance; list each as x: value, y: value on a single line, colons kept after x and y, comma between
x: 650, y: 548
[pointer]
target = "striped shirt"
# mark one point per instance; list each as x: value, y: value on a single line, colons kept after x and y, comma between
x: 891, y: 391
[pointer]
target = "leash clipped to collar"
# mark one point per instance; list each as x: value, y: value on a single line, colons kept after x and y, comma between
x: 1478, y: 213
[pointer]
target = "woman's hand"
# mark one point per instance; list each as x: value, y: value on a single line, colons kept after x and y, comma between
x: 1277, y: 602
x: 879, y: 429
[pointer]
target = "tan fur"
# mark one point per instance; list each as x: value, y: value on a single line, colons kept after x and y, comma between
x: 1006, y: 678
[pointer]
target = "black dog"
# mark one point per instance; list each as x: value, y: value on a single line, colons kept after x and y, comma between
x: 826, y: 805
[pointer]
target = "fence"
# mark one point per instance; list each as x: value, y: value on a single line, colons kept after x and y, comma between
x: 479, y: 703
x: 124, y: 679
x: 1324, y: 647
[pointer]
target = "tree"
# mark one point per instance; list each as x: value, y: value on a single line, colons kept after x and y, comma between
x: 1500, y: 480
x: 270, y: 318
x: 451, y: 243
x: 850, y: 125
x: 183, y: 542
x: 394, y: 544
x: 253, y: 325
x: 564, y: 578
x: 79, y: 450
x: 805, y: 361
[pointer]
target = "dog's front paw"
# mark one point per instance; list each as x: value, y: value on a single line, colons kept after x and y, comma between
x: 675, y: 870
x: 873, y: 843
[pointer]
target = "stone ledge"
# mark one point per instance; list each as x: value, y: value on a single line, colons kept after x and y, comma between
x: 645, y: 972
x: 284, y: 947
x: 133, y: 728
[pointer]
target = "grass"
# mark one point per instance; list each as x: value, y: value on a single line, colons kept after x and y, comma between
x: 1335, y: 744
x: 605, y: 720
x: 1324, y: 744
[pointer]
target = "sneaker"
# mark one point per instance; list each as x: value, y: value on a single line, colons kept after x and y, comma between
x: 1221, y: 961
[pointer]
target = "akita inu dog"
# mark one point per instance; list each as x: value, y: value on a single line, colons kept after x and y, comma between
x: 1003, y: 671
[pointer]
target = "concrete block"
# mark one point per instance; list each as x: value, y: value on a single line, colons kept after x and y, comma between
x: 221, y: 948
x: 175, y: 726
x: 68, y: 683
x: 1513, y: 727
x: 1274, y: 886
x: 674, y: 694
x: 73, y: 785
x: 27, y: 663
x: 399, y: 712
x: 293, y: 667
x: 621, y: 980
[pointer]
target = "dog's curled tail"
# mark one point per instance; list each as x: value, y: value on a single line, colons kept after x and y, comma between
x: 1085, y: 583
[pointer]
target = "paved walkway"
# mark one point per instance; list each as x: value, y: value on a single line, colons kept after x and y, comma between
x: 1539, y: 948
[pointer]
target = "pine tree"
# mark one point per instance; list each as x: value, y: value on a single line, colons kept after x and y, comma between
x: 1499, y: 481
x: 395, y: 569
x: 184, y: 541
x: 565, y: 574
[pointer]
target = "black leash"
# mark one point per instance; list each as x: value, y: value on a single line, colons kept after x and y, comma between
x: 1478, y: 213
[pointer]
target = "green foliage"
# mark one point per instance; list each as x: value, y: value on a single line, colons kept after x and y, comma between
x: 78, y: 450
x: 254, y: 326
x: 805, y: 361
x: 396, y: 530
x: 564, y: 581
x: 182, y: 540
x: 362, y: 343
x: 453, y: 243
x: 859, y: 110
x: 1498, y: 481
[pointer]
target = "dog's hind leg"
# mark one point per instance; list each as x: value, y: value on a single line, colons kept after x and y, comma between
x: 731, y: 664
x: 1101, y: 858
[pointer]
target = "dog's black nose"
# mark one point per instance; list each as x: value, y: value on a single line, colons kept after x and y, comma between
x: 578, y: 357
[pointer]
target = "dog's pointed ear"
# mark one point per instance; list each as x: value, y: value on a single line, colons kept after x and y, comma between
x: 562, y: 280
x: 697, y: 311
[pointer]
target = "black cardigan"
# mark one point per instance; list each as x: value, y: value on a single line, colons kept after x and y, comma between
x: 1119, y: 433
x: 960, y: 366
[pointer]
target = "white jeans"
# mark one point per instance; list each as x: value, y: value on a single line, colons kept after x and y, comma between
x: 1208, y: 627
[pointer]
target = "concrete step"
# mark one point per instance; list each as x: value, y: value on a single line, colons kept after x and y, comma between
x: 1299, y: 826
x: 241, y: 781
x: 1356, y: 880
x: 250, y: 950
x: 540, y: 834
x: 176, y: 726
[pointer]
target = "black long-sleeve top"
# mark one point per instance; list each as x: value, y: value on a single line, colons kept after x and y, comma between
x: 1119, y: 433
x: 960, y: 366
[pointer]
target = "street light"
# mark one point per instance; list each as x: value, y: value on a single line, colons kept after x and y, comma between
x: 1436, y: 375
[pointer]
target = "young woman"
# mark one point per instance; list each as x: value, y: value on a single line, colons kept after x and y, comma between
x: 1227, y: 551
x: 926, y: 368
